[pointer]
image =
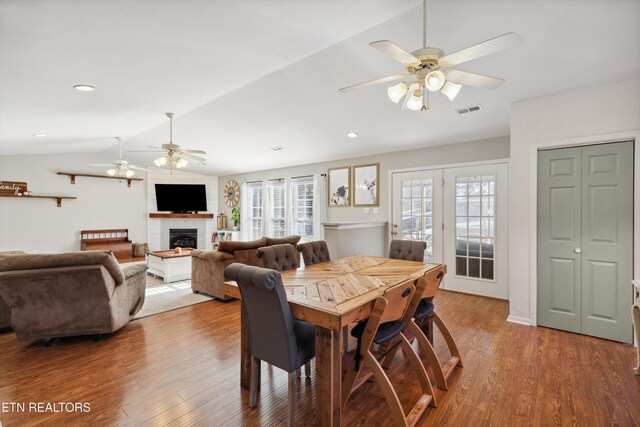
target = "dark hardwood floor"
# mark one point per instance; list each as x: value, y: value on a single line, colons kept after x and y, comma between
x: 181, y: 368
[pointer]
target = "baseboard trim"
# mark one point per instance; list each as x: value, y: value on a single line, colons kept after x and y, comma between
x: 520, y: 320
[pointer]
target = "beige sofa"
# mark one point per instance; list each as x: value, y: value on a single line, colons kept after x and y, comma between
x: 207, y: 267
x: 75, y: 293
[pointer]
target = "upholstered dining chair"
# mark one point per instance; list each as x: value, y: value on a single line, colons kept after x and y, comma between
x: 420, y: 311
x: 383, y: 327
x: 408, y: 250
x: 279, y: 257
x: 275, y: 336
x: 314, y: 252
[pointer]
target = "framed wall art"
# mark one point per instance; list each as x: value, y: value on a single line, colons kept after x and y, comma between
x: 339, y: 187
x: 366, y: 189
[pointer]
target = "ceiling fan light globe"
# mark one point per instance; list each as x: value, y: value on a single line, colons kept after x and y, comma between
x: 451, y: 90
x: 435, y: 80
x: 129, y: 173
x: 161, y: 161
x: 396, y: 92
x: 415, y: 103
x: 181, y: 163
x: 111, y: 172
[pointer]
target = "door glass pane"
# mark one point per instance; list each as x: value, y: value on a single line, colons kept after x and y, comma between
x: 417, y: 213
x: 475, y: 226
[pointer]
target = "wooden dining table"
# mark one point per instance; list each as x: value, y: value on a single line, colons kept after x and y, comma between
x: 332, y: 295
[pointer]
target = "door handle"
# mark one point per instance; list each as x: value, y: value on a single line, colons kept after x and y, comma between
x: 577, y: 250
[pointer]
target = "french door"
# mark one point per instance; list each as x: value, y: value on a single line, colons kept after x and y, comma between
x: 461, y: 214
x: 417, y: 210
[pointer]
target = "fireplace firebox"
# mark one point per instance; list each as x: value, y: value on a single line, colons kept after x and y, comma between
x: 183, y: 238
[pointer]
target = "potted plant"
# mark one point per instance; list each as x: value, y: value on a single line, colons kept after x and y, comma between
x: 235, y: 218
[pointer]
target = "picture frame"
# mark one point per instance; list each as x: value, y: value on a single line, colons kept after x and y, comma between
x: 339, y: 187
x: 366, y: 185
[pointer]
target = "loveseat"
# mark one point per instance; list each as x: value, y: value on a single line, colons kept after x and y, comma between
x: 5, y: 310
x: 75, y: 293
x: 207, y: 267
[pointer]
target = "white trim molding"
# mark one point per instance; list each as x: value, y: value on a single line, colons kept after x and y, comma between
x: 519, y: 320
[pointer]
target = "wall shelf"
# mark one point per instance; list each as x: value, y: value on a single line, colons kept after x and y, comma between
x: 73, y: 176
x: 169, y: 215
x: 56, y: 198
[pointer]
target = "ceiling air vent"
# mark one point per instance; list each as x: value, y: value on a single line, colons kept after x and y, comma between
x: 469, y: 109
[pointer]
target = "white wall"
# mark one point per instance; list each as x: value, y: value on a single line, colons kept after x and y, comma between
x: 592, y: 111
x: 38, y: 225
x: 488, y: 149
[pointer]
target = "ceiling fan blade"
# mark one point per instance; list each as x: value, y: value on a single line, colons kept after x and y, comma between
x: 374, y: 82
x: 145, y: 151
x: 394, y: 51
x: 138, y: 168
x: 488, y: 47
x: 472, y: 79
x: 192, y: 151
x: 192, y: 157
x: 106, y: 165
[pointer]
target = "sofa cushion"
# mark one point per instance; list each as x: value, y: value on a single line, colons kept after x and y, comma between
x: 69, y: 259
x: 230, y: 246
x: 292, y: 240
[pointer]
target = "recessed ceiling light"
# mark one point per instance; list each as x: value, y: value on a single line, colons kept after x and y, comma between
x: 277, y: 148
x: 84, y: 88
x: 352, y: 135
x: 39, y: 135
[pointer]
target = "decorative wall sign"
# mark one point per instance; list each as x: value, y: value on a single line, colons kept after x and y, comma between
x: 339, y: 187
x: 365, y: 183
x: 12, y: 188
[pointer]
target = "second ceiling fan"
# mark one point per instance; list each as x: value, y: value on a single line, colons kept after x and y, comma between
x: 426, y: 66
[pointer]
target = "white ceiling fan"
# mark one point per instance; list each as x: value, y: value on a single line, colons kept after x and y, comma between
x: 120, y: 168
x: 173, y: 154
x: 425, y: 66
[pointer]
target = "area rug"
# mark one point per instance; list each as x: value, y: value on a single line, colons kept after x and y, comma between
x: 162, y: 297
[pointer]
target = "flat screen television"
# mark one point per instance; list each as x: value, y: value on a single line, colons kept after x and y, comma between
x: 181, y: 197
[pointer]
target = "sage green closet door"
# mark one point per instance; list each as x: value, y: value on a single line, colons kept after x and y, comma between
x: 607, y: 240
x: 559, y: 234
x: 585, y: 239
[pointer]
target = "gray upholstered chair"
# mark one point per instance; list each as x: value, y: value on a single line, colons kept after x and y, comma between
x: 408, y: 250
x: 275, y: 336
x: 314, y: 252
x: 279, y: 257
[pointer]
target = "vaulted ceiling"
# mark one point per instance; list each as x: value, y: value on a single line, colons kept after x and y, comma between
x: 246, y: 76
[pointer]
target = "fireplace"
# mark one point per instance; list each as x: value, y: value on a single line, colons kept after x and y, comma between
x: 183, y: 238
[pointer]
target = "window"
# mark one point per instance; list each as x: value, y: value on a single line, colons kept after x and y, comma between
x: 302, y: 194
x: 475, y: 226
x: 277, y: 209
x: 254, y: 210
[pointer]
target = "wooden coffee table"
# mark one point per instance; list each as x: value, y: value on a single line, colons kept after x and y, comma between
x: 169, y: 265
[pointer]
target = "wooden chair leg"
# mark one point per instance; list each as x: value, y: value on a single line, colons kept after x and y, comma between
x: 387, y: 389
x: 446, y: 334
x: 386, y: 362
x: 429, y: 324
x: 426, y: 346
x: 292, y: 399
x: 307, y: 369
x: 254, y: 382
x: 418, y: 368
